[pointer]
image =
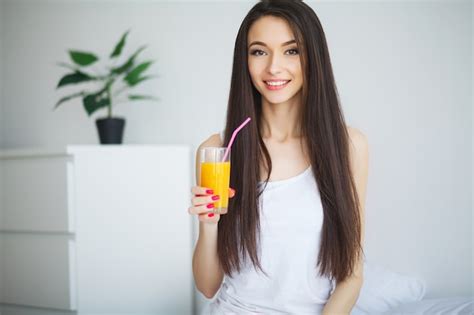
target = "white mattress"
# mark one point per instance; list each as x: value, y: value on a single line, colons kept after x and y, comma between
x: 442, y: 306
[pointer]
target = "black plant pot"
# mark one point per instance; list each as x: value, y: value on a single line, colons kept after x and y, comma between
x: 110, y: 130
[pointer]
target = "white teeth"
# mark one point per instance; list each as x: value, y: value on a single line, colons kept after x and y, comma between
x: 276, y: 83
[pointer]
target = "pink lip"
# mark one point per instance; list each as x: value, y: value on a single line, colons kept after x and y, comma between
x: 276, y: 87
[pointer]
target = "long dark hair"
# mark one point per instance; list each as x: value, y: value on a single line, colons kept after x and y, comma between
x: 326, y: 136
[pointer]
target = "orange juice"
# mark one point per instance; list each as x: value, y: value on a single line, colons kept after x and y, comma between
x: 216, y: 175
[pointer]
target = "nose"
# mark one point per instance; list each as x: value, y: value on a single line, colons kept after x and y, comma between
x: 275, y: 65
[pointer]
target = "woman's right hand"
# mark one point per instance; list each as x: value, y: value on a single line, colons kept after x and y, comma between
x: 201, y: 200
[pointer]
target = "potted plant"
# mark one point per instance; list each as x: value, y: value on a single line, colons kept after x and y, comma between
x: 128, y: 74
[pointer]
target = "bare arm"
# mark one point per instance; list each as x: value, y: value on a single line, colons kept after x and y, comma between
x: 208, y: 274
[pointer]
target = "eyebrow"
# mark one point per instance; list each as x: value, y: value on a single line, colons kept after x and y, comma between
x: 263, y: 44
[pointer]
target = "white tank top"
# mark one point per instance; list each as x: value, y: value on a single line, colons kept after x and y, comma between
x: 291, y: 218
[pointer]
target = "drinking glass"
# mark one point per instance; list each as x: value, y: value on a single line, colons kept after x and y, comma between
x: 215, y: 174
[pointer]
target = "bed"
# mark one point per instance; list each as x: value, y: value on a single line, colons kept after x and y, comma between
x: 390, y: 293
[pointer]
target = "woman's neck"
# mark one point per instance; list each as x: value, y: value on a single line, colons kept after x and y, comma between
x: 281, y: 122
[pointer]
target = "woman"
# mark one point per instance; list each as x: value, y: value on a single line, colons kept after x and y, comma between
x: 291, y: 240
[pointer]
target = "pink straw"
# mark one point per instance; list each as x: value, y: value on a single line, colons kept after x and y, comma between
x: 234, y: 134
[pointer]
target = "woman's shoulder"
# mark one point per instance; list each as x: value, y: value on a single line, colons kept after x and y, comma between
x: 359, y: 150
x: 356, y: 136
x: 213, y: 140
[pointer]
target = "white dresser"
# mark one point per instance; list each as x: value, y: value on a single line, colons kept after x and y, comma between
x: 92, y: 229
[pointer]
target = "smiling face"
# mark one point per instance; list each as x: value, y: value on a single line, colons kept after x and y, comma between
x: 273, y: 59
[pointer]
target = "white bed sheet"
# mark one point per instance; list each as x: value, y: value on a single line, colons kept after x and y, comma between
x: 441, y: 306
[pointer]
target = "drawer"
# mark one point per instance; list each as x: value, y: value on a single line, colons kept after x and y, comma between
x: 38, y: 194
x: 38, y: 270
x: 28, y: 310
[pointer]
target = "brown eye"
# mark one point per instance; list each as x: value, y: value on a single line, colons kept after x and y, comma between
x: 256, y: 52
x: 295, y: 51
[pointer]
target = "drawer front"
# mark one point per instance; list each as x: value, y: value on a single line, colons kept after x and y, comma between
x: 134, y: 240
x: 38, y: 194
x: 38, y: 270
x: 28, y: 310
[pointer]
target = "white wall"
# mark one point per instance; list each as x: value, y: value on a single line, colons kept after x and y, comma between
x: 1, y: 131
x: 1, y: 73
x: 472, y: 138
x: 191, y: 43
x: 404, y: 74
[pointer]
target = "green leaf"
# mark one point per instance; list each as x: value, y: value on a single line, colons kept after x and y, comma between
x: 136, y: 97
x: 129, y: 63
x: 67, y: 98
x: 134, y: 75
x: 74, y: 78
x: 95, y: 101
x: 118, y: 48
x: 82, y: 58
x: 138, y: 80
